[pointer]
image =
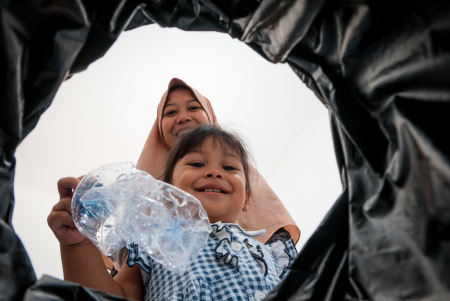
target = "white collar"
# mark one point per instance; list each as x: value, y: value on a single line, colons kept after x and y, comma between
x: 254, y: 233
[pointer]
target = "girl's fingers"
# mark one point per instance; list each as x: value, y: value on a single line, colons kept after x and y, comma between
x: 60, y: 219
x: 61, y: 214
x: 64, y: 204
x: 63, y: 226
x: 66, y: 186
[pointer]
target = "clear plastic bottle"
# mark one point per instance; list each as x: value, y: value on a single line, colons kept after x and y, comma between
x: 116, y: 204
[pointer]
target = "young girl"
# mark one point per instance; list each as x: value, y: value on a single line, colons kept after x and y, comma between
x: 176, y: 111
x: 212, y: 165
x: 182, y: 107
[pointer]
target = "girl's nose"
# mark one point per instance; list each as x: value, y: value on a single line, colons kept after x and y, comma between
x: 213, y: 173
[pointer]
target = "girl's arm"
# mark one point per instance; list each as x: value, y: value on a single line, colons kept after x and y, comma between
x: 81, y: 260
x: 84, y: 265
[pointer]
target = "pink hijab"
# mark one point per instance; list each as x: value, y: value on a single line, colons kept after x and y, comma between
x: 265, y: 210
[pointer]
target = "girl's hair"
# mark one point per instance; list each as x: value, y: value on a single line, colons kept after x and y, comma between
x: 194, y: 138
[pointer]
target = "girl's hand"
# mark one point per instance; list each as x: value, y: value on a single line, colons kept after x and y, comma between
x: 60, y: 218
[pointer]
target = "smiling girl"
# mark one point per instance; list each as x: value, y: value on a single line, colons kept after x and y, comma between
x: 212, y: 165
x: 182, y: 107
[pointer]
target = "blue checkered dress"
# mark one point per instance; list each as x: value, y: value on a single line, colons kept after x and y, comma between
x: 232, y: 266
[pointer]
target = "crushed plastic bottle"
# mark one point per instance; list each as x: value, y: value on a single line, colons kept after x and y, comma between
x: 117, y: 204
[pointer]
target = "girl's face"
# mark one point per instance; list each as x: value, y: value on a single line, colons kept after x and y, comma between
x: 181, y: 112
x: 215, y: 176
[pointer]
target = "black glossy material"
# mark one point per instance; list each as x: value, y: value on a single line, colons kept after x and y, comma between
x: 381, y: 67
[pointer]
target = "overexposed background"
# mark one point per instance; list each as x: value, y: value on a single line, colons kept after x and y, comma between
x: 105, y: 113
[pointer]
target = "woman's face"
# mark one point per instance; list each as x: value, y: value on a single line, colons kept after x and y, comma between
x: 182, y: 111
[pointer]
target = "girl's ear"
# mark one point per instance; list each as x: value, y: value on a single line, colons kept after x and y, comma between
x: 247, y: 200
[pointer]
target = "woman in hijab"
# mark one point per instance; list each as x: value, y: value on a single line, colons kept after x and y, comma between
x: 182, y: 107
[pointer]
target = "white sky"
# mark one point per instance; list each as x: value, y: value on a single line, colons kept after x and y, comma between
x: 104, y: 114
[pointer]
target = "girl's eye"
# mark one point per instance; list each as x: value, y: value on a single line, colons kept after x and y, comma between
x: 196, y: 164
x: 229, y: 168
x: 195, y: 108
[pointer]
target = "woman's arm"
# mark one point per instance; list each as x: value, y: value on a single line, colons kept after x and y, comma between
x: 81, y: 260
x: 280, y: 234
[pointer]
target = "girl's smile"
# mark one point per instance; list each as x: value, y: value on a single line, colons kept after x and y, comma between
x: 214, y: 174
x: 215, y: 188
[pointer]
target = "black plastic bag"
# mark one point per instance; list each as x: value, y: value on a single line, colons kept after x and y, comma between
x: 381, y: 67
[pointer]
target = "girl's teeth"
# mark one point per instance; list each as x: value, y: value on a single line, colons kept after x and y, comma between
x: 212, y: 190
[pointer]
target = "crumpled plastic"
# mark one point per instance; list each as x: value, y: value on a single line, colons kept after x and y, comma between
x: 117, y: 205
x: 380, y: 67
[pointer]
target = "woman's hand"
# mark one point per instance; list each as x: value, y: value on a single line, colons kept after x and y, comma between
x: 60, y: 218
